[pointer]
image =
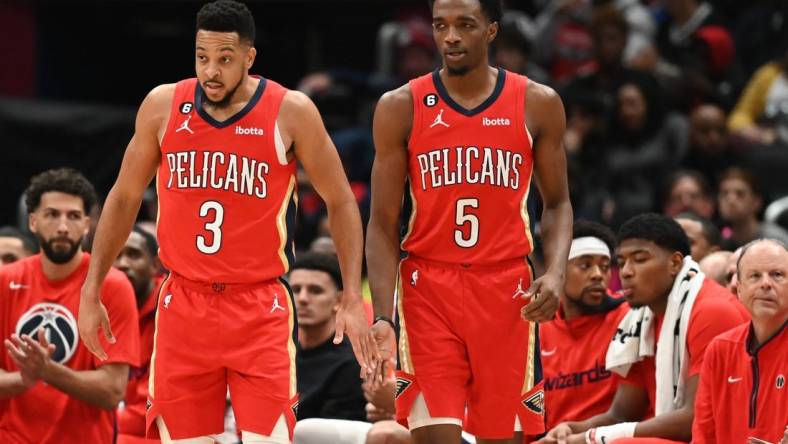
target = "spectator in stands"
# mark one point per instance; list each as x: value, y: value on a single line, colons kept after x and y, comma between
x: 746, y: 366
x: 573, y: 345
x: 53, y: 388
x: 731, y: 272
x: 766, y: 91
x: 715, y: 266
x: 703, y: 235
x: 512, y: 47
x: 645, y: 144
x: 740, y: 202
x: 660, y: 372
x: 640, y: 25
x: 683, y: 41
x: 139, y: 260
x: 563, y: 39
x: 709, y: 148
x: 328, y: 374
x: 14, y: 245
x: 333, y: 405
x: 687, y: 191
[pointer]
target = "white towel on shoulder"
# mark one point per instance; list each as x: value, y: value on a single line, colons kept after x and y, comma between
x: 634, y: 339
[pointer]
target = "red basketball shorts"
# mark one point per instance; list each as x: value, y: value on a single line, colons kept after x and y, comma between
x: 463, y: 346
x: 213, y: 336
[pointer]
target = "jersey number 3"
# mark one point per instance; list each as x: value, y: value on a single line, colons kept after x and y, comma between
x: 462, y: 218
x: 214, y: 226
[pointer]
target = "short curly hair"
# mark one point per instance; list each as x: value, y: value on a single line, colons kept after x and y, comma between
x: 657, y: 228
x: 227, y: 16
x: 64, y: 180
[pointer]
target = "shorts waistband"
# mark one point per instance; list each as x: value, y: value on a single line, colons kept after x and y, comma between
x: 484, y: 266
x: 219, y: 287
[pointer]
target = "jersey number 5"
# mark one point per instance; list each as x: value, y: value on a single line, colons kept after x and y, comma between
x: 462, y: 218
x: 214, y: 226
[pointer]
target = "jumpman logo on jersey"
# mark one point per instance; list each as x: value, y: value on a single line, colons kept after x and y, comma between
x: 519, y: 291
x: 439, y: 120
x: 185, y: 126
x: 276, y: 305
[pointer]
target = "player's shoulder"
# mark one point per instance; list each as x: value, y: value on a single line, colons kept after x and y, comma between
x: 22, y: 267
x: 730, y: 339
x: 714, y: 297
x: 540, y: 93
x: 398, y: 98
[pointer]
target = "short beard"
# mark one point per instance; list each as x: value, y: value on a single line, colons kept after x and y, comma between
x: 456, y: 72
x: 588, y: 309
x: 59, y: 257
x: 225, y: 102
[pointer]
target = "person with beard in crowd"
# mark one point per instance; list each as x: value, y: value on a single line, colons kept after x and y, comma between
x: 659, y: 345
x: 54, y: 389
x: 573, y: 345
x: 139, y: 260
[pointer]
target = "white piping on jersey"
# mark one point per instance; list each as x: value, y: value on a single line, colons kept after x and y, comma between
x: 281, y: 151
x: 528, y: 133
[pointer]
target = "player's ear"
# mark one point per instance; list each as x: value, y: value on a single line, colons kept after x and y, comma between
x: 250, y: 56
x: 492, y: 31
x: 32, y: 222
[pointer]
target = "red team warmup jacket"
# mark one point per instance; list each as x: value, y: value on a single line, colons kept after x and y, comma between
x: 29, y: 302
x: 742, y: 390
x: 715, y: 311
x: 577, y: 385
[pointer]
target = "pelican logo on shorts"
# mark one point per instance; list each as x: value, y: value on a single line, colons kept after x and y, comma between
x: 414, y: 278
x: 294, y: 407
x: 186, y: 107
x: 535, y: 402
x: 402, y: 385
x: 780, y: 382
x: 59, y: 325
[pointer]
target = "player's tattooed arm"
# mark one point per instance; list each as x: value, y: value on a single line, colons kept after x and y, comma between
x: 391, y: 128
x: 546, y: 121
x: 120, y: 210
x: 302, y: 124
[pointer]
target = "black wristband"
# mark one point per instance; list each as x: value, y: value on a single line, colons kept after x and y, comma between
x: 384, y: 319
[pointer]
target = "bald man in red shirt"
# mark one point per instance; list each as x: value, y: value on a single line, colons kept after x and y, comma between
x: 745, y: 369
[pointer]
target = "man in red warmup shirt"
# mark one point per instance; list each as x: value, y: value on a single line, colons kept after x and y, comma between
x: 574, y: 344
x: 56, y: 391
x: 139, y: 260
x: 468, y: 138
x: 675, y: 313
x: 742, y: 391
x: 223, y: 147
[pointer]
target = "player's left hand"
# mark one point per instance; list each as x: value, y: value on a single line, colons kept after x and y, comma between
x: 544, y: 294
x: 352, y: 321
x: 32, y: 357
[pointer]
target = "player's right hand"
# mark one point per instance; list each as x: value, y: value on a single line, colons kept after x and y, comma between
x: 92, y: 315
x: 386, y: 343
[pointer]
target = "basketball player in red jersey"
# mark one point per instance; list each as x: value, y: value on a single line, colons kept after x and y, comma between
x: 467, y: 137
x: 223, y: 147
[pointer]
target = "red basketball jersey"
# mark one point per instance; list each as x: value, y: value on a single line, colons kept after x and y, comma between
x: 469, y: 174
x: 29, y: 302
x: 227, y: 194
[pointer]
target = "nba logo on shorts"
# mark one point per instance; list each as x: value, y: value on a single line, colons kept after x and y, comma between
x: 59, y: 325
x: 167, y: 300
